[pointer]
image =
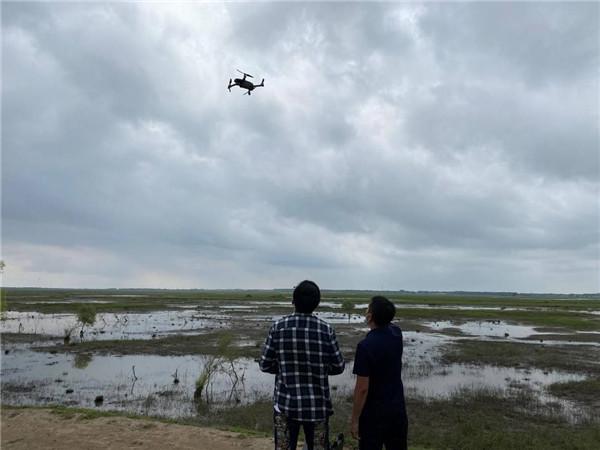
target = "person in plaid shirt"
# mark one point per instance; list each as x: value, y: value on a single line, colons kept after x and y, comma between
x: 302, y: 351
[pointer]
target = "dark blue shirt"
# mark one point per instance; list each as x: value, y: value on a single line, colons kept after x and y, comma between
x: 379, y: 357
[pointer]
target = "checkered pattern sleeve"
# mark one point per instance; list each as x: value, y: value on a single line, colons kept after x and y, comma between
x: 336, y: 361
x: 268, y: 359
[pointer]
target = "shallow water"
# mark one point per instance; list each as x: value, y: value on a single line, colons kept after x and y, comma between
x: 113, y: 326
x: 331, y: 317
x: 486, y: 328
x: 34, y: 378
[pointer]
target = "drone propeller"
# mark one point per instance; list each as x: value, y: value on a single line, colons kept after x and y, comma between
x: 247, y: 74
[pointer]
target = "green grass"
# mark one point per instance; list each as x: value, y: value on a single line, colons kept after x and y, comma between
x: 470, y: 420
x: 22, y: 299
x: 82, y: 413
x: 480, y: 420
x: 474, y: 421
x: 585, y: 391
x: 578, y: 358
x: 546, y: 319
x: 550, y: 312
x: 177, y: 345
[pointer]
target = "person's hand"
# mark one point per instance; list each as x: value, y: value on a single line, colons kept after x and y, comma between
x: 354, y: 429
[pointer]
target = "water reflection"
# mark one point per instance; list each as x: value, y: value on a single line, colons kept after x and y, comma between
x: 495, y: 328
x: 110, y: 326
x: 165, y: 386
x: 145, y: 383
x: 82, y: 360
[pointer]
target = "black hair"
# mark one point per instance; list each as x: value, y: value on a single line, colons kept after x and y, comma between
x: 306, y: 297
x: 382, y: 310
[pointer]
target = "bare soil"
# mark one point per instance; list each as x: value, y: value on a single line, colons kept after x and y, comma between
x: 41, y: 429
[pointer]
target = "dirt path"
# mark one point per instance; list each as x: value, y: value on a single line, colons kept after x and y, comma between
x: 41, y: 429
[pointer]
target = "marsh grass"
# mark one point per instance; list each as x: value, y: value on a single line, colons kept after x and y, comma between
x: 3, y: 304
x: 539, y: 318
x: 469, y: 420
x: 585, y: 391
x: 209, y: 343
x: 221, y: 362
x: 25, y: 299
x: 204, y: 379
x: 578, y: 358
x: 489, y: 420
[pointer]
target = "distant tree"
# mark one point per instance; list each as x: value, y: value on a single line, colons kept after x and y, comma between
x: 204, y: 379
x: 86, y: 315
x: 348, y: 307
x: 3, y: 304
x: 222, y: 362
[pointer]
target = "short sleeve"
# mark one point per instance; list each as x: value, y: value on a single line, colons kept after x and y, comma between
x: 362, y: 361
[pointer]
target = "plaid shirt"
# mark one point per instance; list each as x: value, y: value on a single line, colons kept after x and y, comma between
x: 302, y: 351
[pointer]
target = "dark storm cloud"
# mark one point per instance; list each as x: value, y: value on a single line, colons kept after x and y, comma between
x: 394, y: 146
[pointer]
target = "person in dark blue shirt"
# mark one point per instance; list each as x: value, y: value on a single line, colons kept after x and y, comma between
x: 379, y: 411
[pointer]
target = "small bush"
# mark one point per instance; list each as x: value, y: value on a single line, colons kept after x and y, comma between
x: 86, y: 314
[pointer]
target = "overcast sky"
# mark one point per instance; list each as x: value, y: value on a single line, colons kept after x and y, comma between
x: 394, y: 146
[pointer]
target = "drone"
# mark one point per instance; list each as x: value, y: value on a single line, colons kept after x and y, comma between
x: 245, y: 84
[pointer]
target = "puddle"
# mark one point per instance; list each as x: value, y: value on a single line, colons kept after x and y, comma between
x: 506, y: 331
x: 288, y: 303
x: 64, y: 302
x: 33, y: 378
x: 446, y: 380
x: 114, y: 326
x: 453, y: 307
x: 330, y: 317
x: 244, y: 307
x: 486, y: 328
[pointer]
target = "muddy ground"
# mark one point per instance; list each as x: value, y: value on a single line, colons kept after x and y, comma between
x: 34, y: 429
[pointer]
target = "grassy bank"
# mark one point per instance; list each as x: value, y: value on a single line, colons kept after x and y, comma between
x: 586, y: 392
x: 209, y: 343
x: 119, y: 300
x: 542, y: 319
x: 469, y: 420
x: 578, y: 358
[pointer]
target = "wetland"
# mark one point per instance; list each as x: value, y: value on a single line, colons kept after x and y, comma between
x: 491, y: 368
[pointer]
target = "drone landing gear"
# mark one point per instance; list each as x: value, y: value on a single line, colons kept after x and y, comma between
x: 229, y: 85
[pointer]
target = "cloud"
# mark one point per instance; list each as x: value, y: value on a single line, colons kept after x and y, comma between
x: 393, y: 147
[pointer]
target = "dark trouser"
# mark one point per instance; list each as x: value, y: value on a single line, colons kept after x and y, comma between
x: 389, y: 431
x: 286, y: 433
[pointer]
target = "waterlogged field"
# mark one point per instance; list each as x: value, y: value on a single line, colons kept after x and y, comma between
x: 482, y: 371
